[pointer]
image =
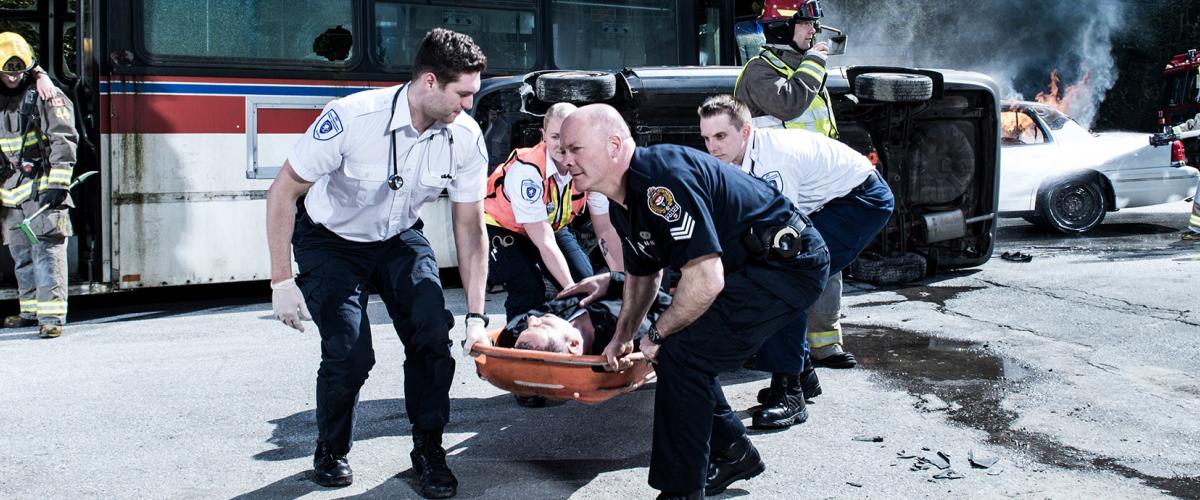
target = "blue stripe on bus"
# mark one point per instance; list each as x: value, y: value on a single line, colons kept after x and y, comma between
x: 225, y: 89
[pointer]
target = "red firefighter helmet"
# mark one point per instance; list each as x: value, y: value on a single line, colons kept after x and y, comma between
x: 787, y: 10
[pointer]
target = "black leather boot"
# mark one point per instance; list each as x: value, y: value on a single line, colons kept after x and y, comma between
x: 808, y: 382
x: 739, y: 461
x: 331, y: 470
x: 429, y: 465
x: 785, y: 405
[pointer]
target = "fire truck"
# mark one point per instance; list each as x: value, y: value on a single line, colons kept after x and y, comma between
x: 1180, y: 100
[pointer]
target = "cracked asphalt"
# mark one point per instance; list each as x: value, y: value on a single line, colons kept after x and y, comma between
x: 1077, y: 370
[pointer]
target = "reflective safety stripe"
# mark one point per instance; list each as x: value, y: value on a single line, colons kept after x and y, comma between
x: 52, y: 308
x: 60, y: 175
x: 817, y: 117
x: 822, y: 339
x: 12, y: 145
x: 29, y: 306
x: 14, y: 196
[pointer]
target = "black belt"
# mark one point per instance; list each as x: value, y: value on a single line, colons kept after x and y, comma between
x: 783, y: 242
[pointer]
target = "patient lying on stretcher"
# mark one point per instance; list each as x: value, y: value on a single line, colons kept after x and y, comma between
x: 563, y: 325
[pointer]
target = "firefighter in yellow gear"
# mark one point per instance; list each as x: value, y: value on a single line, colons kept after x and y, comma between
x: 784, y: 87
x: 1192, y: 233
x: 37, y: 145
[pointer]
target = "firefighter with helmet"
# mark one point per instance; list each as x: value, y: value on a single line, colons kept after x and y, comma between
x: 1192, y: 233
x: 37, y: 144
x: 784, y: 87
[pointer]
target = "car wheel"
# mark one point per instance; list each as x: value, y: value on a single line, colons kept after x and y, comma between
x: 576, y: 86
x: 893, y: 87
x: 891, y: 270
x: 1075, y: 205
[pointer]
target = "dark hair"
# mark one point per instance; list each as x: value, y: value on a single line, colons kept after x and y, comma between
x: 448, y: 54
x: 725, y: 104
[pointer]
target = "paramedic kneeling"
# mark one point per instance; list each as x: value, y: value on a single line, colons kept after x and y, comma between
x: 750, y: 264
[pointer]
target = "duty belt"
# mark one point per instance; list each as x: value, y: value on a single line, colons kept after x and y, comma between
x: 782, y: 242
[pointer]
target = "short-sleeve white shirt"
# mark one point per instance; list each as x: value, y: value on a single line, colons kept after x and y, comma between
x: 807, y: 167
x: 529, y: 205
x: 346, y: 154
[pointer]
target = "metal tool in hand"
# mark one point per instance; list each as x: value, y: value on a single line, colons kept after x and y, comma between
x: 24, y: 225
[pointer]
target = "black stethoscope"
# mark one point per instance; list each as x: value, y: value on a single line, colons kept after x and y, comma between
x: 394, y: 181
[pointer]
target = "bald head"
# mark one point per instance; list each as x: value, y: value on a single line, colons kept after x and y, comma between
x: 597, y: 149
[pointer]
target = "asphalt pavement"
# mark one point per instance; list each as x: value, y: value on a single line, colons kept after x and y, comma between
x: 1076, y: 371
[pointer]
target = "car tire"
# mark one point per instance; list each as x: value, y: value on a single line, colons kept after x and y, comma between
x: 890, y: 270
x: 893, y: 87
x: 941, y: 164
x: 1073, y: 206
x: 576, y: 86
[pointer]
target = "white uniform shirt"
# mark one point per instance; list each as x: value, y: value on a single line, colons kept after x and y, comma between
x: 346, y: 153
x: 523, y: 185
x: 805, y: 166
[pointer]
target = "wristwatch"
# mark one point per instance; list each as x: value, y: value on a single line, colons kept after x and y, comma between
x: 653, y: 335
x: 483, y: 317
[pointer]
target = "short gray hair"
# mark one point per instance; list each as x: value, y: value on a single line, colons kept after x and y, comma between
x: 559, y: 110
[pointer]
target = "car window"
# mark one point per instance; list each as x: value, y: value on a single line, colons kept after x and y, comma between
x: 1018, y: 127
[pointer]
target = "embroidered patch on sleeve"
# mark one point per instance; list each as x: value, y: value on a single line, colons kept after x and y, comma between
x: 328, y: 126
x: 683, y: 230
x: 57, y: 101
x: 774, y: 178
x: 662, y: 202
x: 531, y: 191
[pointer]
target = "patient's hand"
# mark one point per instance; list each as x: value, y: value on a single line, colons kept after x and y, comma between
x: 592, y: 287
x: 616, y: 355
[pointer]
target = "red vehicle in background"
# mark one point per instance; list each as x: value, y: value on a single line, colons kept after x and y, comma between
x: 1180, y: 98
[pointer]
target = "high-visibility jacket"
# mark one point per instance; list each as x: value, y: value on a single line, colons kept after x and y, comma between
x: 497, y: 207
x: 809, y: 74
x: 46, y: 140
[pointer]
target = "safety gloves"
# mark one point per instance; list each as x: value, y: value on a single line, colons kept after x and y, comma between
x: 53, y: 198
x: 476, y: 333
x: 288, y: 303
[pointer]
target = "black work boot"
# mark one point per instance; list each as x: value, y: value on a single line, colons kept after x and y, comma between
x: 429, y: 465
x: 331, y: 470
x: 808, y: 382
x: 785, y: 405
x: 739, y: 461
x: 666, y: 495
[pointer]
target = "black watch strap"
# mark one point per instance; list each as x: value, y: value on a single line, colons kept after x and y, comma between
x: 653, y: 335
x: 483, y: 317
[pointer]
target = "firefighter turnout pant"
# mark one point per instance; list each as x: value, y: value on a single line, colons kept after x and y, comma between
x: 41, y: 269
x: 1194, y: 220
x: 691, y: 414
x: 337, y: 276
x: 514, y: 261
x: 847, y: 224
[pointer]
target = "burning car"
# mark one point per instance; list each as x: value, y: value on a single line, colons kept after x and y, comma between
x: 935, y: 135
x: 1056, y: 173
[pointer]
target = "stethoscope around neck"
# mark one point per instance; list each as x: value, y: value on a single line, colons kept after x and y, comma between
x: 394, y: 181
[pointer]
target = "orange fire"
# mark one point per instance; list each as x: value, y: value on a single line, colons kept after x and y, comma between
x: 1065, y: 100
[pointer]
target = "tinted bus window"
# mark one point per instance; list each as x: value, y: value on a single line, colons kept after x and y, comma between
x: 307, y: 32
x: 507, y: 36
x: 610, y: 34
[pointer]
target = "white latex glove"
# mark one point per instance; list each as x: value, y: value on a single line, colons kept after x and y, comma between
x: 476, y: 333
x: 288, y: 303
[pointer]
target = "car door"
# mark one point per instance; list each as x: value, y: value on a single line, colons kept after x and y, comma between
x: 1026, y: 154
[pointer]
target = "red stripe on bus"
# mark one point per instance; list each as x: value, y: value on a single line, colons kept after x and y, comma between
x: 285, y: 121
x: 264, y: 81
x: 175, y: 114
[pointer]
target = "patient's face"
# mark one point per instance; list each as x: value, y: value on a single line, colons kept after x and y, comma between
x: 552, y: 334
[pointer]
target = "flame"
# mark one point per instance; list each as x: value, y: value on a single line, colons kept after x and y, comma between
x: 1069, y: 99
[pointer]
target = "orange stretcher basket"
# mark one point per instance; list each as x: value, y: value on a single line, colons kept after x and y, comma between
x: 557, y: 376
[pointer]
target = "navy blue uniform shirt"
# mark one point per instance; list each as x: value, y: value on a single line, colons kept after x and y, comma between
x: 681, y: 203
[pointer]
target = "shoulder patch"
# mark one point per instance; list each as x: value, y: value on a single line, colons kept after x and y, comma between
x: 661, y: 201
x: 683, y: 231
x: 57, y: 102
x: 774, y: 178
x: 531, y: 191
x: 328, y: 126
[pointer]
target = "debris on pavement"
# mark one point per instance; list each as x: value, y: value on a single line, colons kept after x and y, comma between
x: 981, y: 460
x: 948, y: 474
x: 905, y: 454
x: 1016, y: 257
x: 869, y: 439
x: 856, y: 485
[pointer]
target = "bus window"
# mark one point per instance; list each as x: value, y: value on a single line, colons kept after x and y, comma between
x: 709, y: 21
x: 611, y: 34
x: 250, y: 33
x: 507, y: 36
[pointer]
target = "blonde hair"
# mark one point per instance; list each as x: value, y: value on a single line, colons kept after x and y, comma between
x: 738, y: 113
x: 559, y: 110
